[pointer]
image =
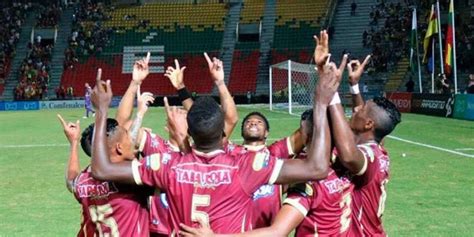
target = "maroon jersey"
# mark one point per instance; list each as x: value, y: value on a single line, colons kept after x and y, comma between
x: 369, y: 190
x: 215, y: 187
x: 268, y: 198
x: 157, y: 204
x: 326, y: 205
x: 111, y: 209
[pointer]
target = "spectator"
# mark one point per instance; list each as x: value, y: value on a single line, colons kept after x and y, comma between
x: 410, y: 85
x: 365, y: 88
x: 353, y: 8
x: 470, y: 85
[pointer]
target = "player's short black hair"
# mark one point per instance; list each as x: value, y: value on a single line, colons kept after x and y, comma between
x: 86, y: 137
x: 205, y: 121
x: 307, y: 115
x: 255, y: 113
x: 385, y: 123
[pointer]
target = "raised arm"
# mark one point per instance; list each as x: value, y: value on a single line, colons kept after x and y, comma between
x: 350, y: 157
x: 176, y: 76
x: 143, y: 102
x: 101, y: 166
x: 315, y: 167
x: 124, y: 111
x: 73, y: 168
x: 231, y: 116
x: 355, y: 69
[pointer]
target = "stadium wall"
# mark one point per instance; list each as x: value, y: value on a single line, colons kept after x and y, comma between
x: 460, y: 106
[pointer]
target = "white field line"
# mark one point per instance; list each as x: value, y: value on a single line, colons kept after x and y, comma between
x: 269, y: 139
x: 416, y: 143
x: 464, y: 149
x: 33, y: 145
x: 431, y: 146
x: 66, y: 144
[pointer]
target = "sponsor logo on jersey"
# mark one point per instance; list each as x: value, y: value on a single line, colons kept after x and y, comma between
x: 153, y: 162
x: 166, y: 158
x: 154, y: 142
x: 336, y: 185
x: 384, y: 164
x: 260, y: 160
x: 209, y: 179
x: 264, y: 191
x: 100, y: 190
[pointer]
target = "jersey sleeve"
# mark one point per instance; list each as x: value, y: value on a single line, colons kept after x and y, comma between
x: 257, y: 169
x: 300, y: 196
x: 281, y: 148
x: 153, y: 170
x: 370, y: 167
x: 150, y: 143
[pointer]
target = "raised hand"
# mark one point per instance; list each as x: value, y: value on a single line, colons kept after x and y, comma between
x: 203, y: 231
x: 141, y: 69
x: 71, y: 130
x: 355, y: 69
x: 143, y: 102
x: 176, y: 75
x: 176, y: 122
x: 216, y: 68
x: 102, y: 93
x: 321, y: 52
x: 340, y: 70
x: 327, y: 85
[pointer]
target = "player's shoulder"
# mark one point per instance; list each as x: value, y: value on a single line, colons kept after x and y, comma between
x: 156, y: 160
x: 373, y: 151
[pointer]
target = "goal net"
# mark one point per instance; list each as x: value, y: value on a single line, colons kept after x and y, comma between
x: 291, y: 86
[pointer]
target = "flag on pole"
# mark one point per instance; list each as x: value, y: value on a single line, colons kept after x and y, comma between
x: 448, y: 55
x: 430, y: 32
x: 413, y: 41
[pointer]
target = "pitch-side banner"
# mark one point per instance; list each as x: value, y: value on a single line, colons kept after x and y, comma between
x: 402, y: 100
x: 433, y: 104
x: 464, y: 107
x: 19, y: 105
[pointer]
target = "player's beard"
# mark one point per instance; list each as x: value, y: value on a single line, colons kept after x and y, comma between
x: 253, y: 137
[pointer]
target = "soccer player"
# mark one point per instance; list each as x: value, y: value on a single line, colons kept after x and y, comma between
x: 216, y: 70
x: 87, y: 101
x: 208, y: 183
x: 320, y: 208
x: 107, y: 208
x: 255, y: 129
x: 146, y: 142
x: 360, y: 150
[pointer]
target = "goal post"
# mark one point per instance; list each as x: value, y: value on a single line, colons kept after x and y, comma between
x: 291, y: 86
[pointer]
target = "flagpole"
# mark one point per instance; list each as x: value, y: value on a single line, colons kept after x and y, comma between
x: 418, y: 57
x: 439, y: 36
x: 433, y: 66
x: 454, y: 53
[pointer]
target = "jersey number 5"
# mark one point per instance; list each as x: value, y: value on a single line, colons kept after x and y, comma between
x: 200, y: 201
x: 98, y: 217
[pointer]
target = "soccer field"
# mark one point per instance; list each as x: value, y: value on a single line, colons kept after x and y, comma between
x: 429, y: 194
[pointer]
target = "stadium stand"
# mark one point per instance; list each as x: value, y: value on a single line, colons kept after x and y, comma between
x: 11, y: 19
x: 252, y: 11
x: 296, y: 23
x: 243, y: 77
x: 184, y: 30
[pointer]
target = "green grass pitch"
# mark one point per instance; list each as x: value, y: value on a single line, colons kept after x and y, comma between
x: 430, y: 192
